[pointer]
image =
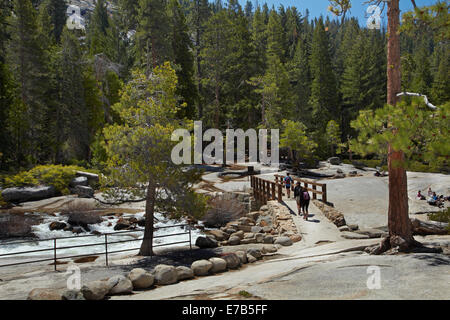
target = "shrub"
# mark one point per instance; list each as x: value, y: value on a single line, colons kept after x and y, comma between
x: 58, y: 176
x: 441, y: 216
x: 222, y: 211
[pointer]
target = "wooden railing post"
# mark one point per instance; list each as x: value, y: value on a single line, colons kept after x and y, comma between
x: 280, y: 192
x: 324, y: 193
x: 273, y: 190
x: 314, y: 192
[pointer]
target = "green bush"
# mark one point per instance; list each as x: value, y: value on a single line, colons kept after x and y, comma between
x: 57, y: 176
x: 441, y: 216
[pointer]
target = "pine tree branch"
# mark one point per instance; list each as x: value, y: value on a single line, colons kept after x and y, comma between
x: 431, y: 106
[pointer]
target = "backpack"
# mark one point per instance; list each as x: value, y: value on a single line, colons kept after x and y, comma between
x: 306, y: 195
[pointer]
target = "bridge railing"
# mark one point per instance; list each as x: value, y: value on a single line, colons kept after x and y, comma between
x: 306, y: 183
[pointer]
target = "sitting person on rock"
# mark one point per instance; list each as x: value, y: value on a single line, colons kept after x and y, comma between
x: 433, y: 199
x: 420, y: 196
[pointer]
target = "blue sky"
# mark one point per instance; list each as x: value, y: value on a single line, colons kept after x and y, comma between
x: 319, y: 7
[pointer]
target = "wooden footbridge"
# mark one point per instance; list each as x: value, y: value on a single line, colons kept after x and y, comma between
x: 265, y: 190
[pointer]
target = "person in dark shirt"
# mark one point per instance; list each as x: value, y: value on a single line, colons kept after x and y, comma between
x: 298, y: 194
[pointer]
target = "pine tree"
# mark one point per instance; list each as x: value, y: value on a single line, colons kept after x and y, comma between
x: 152, y: 33
x: 324, y: 98
x: 199, y: 13
x: 440, y: 91
x: 56, y: 10
x: 98, y: 24
x: 300, y: 77
x: 214, y: 63
x: 27, y: 58
x: 181, y: 47
x: 275, y: 37
x: 422, y: 78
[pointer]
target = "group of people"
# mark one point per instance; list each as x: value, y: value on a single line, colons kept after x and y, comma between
x: 301, y: 196
x: 433, y: 198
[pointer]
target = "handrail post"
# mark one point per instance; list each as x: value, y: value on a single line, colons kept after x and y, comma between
x: 190, y: 239
x: 273, y: 190
x: 54, y: 252
x: 314, y: 192
x: 324, y: 193
x: 106, y: 249
x: 280, y: 192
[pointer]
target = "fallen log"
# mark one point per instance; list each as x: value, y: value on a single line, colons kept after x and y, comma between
x: 424, y: 228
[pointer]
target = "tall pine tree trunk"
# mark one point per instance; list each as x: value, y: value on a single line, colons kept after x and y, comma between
x: 147, y: 242
x: 398, y: 218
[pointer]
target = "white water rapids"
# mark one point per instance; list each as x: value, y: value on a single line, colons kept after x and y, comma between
x: 42, y: 231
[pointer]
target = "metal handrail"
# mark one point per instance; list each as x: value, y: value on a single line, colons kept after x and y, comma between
x: 105, y: 243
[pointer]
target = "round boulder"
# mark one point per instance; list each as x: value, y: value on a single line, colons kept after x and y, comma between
x: 255, y: 252
x: 284, y: 241
x: 184, y: 273
x: 72, y: 295
x: 44, y: 294
x: 233, y: 261
x: 218, y: 264
x: 234, y: 240
x: 141, y: 279
x: 165, y: 274
x: 95, y: 290
x: 206, y: 242
x: 57, y: 225
x: 269, y: 249
x: 251, y: 258
x: 242, y: 256
x: 201, y: 267
x: 120, y: 285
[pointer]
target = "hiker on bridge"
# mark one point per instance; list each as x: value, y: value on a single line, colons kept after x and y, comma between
x: 298, y: 197
x: 287, y: 182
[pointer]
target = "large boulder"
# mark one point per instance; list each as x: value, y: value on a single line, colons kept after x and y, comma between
x: 95, y: 290
x: 23, y: 194
x: 219, y: 235
x: 206, y: 242
x: 201, y: 267
x: 165, y: 274
x: 92, y: 177
x: 84, y: 191
x: 78, y: 181
x: 234, y: 240
x: 256, y: 229
x: 184, y: 273
x: 141, y: 279
x: 239, y: 234
x: 269, y: 249
x: 233, y: 261
x: 82, y: 219
x: 255, y: 252
x: 334, y: 160
x: 284, y: 241
x: 13, y: 225
x: 72, y: 295
x: 242, y: 255
x: 45, y: 294
x: 268, y: 239
x: 120, y: 285
x: 259, y: 238
x: 57, y: 225
x: 218, y: 264
x: 251, y: 258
